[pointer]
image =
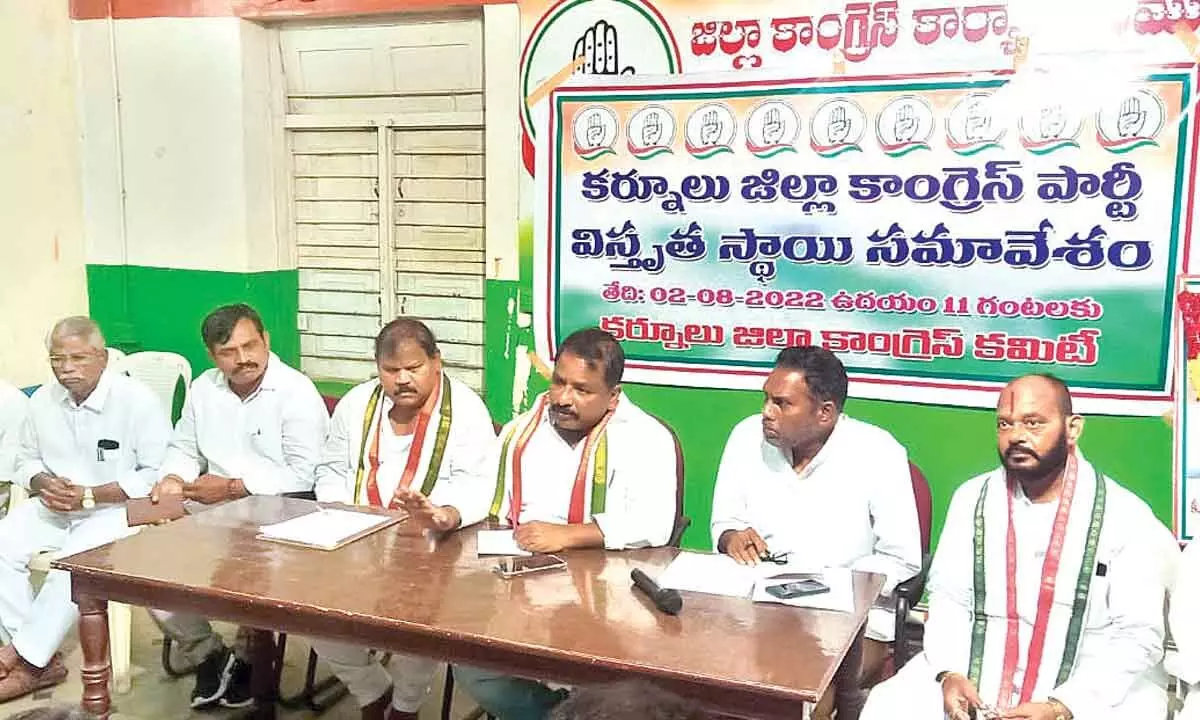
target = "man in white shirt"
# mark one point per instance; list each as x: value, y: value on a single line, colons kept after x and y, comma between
x: 251, y: 426
x: 414, y: 440
x: 803, y: 481
x: 92, y: 440
x: 1047, y: 590
x: 14, y: 408
x: 585, y: 468
x: 1185, y: 629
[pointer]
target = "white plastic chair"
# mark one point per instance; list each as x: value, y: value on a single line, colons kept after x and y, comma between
x: 120, y: 615
x: 161, y: 372
x: 115, y: 357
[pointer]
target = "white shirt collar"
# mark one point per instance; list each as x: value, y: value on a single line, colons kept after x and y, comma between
x: 271, y: 380
x: 785, y: 456
x: 94, y: 401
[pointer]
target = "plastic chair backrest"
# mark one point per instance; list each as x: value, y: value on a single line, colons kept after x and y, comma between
x: 161, y: 372
x: 924, y: 501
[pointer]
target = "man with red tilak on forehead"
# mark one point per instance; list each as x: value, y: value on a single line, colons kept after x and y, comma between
x: 1046, y: 593
x: 585, y: 468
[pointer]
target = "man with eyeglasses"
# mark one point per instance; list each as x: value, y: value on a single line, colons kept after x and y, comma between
x: 804, y: 483
x: 92, y: 440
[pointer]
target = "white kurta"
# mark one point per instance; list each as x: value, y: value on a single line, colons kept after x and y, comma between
x: 271, y: 440
x: 465, y: 480
x: 1185, y: 629
x: 62, y: 438
x: 14, y: 408
x: 640, y: 498
x: 852, y: 506
x: 1117, y: 672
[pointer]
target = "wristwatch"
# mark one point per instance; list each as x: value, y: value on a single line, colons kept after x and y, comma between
x: 89, y: 499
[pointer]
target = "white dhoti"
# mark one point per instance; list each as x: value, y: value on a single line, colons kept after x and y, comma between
x: 37, y: 625
x: 367, y: 679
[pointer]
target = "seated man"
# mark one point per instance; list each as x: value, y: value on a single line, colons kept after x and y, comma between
x: 413, y: 440
x: 14, y: 407
x: 1046, y: 593
x: 806, y: 482
x: 1185, y: 629
x: 92, y: 440
x: 584, y: 468
x: 251, y: 425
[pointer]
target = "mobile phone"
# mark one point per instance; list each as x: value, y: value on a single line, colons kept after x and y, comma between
x: 514, y: 566
x: 984, y: 713
x: 796, y: 589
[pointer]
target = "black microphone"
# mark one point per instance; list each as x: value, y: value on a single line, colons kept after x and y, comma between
x: 666, y: 600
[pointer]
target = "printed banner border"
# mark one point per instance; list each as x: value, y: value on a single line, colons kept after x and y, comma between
x: 547, y: 330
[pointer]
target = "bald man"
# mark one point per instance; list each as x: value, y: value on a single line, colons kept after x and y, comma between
x: 1046, y: 593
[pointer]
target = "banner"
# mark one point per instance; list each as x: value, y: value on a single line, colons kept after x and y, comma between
x: 941, y: 233
x: 886, y: 280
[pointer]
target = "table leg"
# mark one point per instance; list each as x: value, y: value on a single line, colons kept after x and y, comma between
x: 263, y: 650
x: 847, y: 693
x: 93, y: 639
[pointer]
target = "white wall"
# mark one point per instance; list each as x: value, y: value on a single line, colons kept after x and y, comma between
x: 193, y: 152
x: 42, y: 275
x: 502, y: 103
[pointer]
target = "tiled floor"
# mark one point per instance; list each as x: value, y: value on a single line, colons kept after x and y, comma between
x: 155, y: 696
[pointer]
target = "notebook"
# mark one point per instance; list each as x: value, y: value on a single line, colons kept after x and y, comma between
x: 326, y: 528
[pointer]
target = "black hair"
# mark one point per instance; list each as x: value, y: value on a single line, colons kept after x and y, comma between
x: 219, y: 325
x: 404, y: 329
x: 597, y: 347
x: 824, y: 374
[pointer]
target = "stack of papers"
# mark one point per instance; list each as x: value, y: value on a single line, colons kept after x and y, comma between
x: 498, y: 542
x: 721, y: 575
x: 708, y: 573
x: 326, y: 529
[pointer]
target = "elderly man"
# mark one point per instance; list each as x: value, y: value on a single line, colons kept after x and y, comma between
x: 585, y: 468
x: 92, y: 440
x: 1046, y: 595
x: 251, y: 425
x: 806, y: 482
x: 412, y: 440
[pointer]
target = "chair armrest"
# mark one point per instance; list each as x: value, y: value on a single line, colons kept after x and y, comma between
x: 907, y: 594
x: 913, y: 588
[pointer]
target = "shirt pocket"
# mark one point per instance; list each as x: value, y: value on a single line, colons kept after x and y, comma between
x: 1097, y: 608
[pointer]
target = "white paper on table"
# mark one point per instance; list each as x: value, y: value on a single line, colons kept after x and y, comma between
x: 708, y: 573
x: 498, y: 542
x: 324, y: 528
x: 840, y: 597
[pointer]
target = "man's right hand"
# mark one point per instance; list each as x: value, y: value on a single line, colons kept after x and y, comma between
x: 170, y: 485
x: 57, y: 493
x: 959, y: 696
x: 744, y: 546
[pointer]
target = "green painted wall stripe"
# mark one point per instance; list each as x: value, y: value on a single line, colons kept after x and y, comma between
x: 149, y: 308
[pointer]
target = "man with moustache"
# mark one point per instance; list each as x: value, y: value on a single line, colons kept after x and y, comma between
x: 1046, y: 594
x: 414, y: 440
x: 92, y: 440
x: 806, y: 482
x: 585, y: 468
x: 251, y: 425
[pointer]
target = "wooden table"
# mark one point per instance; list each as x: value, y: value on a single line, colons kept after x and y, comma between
x: 404, y: 591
